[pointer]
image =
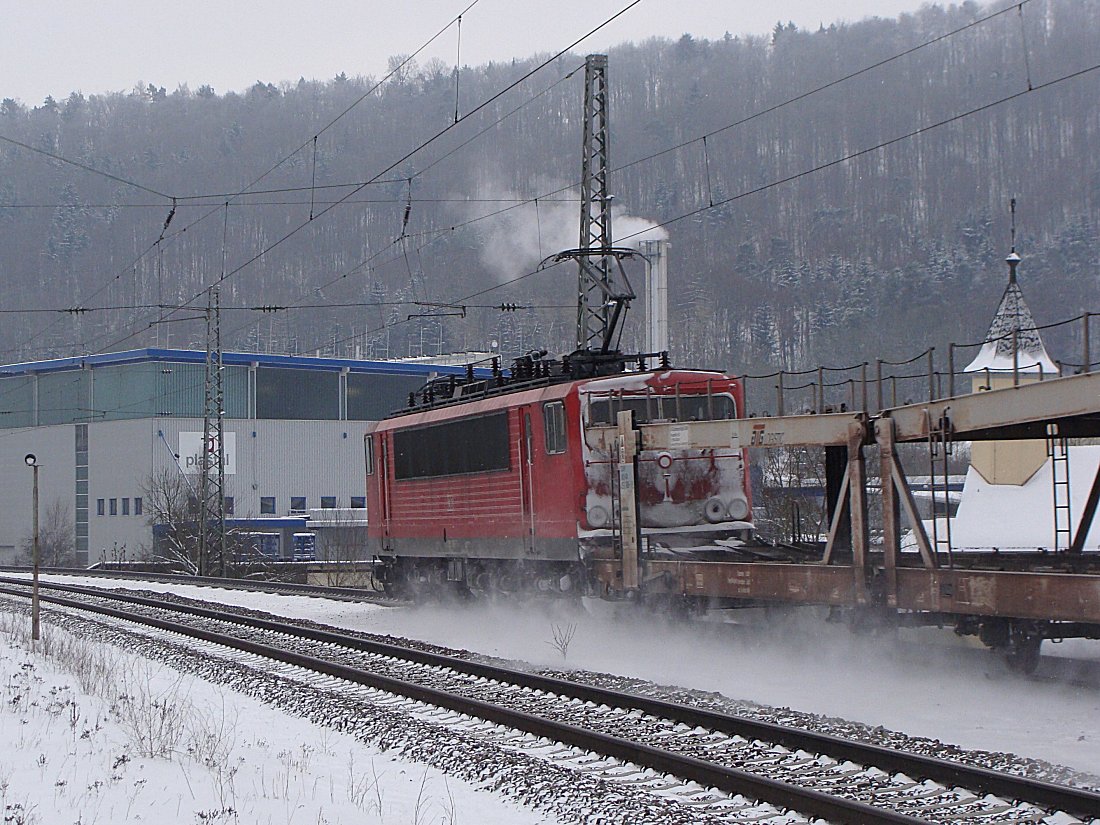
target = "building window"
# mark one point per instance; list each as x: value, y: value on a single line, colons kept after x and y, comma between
x: 358, y: 502
x: 328, y: 502
x: 296, y: 393
x: 114, y: 506
x: 297, y: 503
x: 99, y: 504
x: 267, y: 505
x: 553, y: 420
x: 137, y: 506
x: 229, y: 505
x: 126, y: 507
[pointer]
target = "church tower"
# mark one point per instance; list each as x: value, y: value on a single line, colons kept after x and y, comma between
x: 1013, y: 354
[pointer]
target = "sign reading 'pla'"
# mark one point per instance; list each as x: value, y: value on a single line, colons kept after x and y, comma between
x: 191, y: 452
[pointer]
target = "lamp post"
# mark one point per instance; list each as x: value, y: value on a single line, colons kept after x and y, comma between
x: 32, y: 462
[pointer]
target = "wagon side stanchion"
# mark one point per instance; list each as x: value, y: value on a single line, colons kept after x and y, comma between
x: 863, y: 387
x: 626, y: 469
x: 1086, y: 362
x: 931, y: 374
x: 880, y: 402
x: 951, y: 370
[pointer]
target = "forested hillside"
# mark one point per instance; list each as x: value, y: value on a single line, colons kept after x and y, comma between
x: 882, y: 254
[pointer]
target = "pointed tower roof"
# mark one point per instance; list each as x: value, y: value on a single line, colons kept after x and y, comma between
x: 1012, y: 314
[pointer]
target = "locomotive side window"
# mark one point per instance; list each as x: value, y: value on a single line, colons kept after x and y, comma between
x: 665, y: 407
x: 606, y: 410
x: 369, y: 447
x: 699, y: 408
x: 470, y: 445
x: 553, y: 419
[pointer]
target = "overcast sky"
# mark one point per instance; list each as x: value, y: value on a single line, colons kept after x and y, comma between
x: 57, y: 46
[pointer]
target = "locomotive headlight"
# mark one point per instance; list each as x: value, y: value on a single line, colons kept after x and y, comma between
x: 739, y: 508
x: 597, y: 517
x: 715, y: 510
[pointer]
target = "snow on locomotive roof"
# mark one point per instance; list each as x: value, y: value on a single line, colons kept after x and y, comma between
x: 473, y: 406
x: 236, y: 359
x: 639, y: 381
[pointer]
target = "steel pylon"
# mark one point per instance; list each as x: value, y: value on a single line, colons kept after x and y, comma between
x: 595, y: 270
x: 212, y: 551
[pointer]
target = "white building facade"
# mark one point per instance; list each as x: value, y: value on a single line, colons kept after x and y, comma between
x: 107, y: 431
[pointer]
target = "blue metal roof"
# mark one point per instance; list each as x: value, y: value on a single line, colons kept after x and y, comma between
x: 299, y: 362
x: 298, y: 523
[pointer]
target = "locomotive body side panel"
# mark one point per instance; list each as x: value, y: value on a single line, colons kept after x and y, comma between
x: 527, y: 475
x: 467, y: 504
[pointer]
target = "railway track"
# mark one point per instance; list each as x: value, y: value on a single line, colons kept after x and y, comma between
x: 630, y: 737
x: 1083, y: 673
x: 348, y: 594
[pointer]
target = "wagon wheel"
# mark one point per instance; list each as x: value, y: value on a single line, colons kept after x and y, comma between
x: 1022, y: 651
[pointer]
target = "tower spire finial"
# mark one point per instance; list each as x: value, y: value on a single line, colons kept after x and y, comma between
x: 1012, y: 206
x: 1013, y: 260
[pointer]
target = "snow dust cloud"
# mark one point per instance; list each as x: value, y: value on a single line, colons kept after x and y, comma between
x: 920, y: 682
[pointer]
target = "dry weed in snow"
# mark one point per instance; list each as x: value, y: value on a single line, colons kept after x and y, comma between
x: 95, y: 735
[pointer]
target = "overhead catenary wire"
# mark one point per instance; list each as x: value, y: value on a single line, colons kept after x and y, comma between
x: 937, y: 39
x: 395, y: 164
x: 820, y: 167
x: 242, y: 205
x: 85, y: 167
x: 185, y: 388
x: 210, y: 212
x: 882, y: 145
x: 904, y: 53
x: 829, y: 164
x: 1018, y: 6
x: 458, y: 64
x: 561, y: 190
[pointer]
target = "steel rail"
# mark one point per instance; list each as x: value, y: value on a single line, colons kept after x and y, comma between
x: 730, y: 780
x: 349, y: 594
x: 974, y: 778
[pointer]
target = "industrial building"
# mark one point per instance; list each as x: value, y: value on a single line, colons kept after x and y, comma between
x: 111, y: 431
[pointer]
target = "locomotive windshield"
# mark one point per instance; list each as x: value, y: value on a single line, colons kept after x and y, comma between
x: 604, y: 410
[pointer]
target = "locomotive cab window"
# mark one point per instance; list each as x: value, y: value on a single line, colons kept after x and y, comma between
x: 553, y: 419
x: 700, y: 408
x: 662, y: 408
x: 368, y: 445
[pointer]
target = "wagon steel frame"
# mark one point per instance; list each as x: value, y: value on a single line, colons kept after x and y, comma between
x: 1062, y: 587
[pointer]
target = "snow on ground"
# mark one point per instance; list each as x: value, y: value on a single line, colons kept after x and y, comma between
x: 95, y: 735
x: 927, y: 687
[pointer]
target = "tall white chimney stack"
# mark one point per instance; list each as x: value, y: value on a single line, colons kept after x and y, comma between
x: 656, y: 295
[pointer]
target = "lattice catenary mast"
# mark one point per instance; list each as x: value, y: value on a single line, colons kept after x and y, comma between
x: 212, y: 469
x: 594, y: 273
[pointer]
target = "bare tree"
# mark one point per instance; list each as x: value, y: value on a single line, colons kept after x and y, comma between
x: 342, y: 548
x: 562, y: 637
x: 56, y: 537
x: 791, y: 500
x: 173, y: 512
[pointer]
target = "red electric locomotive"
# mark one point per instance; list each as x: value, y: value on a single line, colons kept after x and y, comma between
x: 502, y: 485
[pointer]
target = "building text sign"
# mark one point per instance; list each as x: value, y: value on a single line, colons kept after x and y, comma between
x: 191, y: 452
